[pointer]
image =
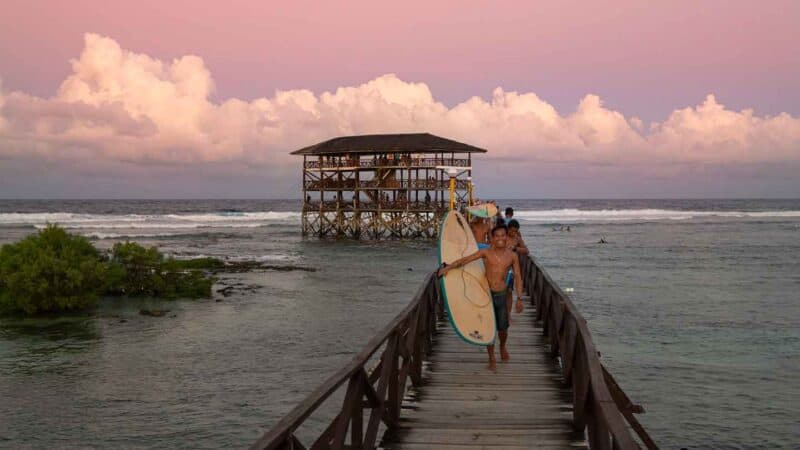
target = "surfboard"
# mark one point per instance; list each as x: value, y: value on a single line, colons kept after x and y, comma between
x: 465, y: 290
x: 483, y: 210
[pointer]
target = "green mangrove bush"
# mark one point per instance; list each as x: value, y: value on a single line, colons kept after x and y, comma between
x: 139, y: 271
x: 54, y: 271
x: 49, y: 271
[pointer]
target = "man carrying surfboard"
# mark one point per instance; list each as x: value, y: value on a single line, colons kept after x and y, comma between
x: 497, y: 260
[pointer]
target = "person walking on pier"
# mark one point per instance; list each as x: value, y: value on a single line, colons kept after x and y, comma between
x: 480, y: 229
x: 515, y: 242
x: 497, y: 260
x: 517, y: 245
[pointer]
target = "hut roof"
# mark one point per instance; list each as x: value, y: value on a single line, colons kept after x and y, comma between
x: 388, y: 143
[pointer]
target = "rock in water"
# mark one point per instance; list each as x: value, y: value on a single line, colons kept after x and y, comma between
x: 226, y: 291
x: 153, y: 312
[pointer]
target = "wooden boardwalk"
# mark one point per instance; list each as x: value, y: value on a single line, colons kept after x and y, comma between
x: 420, y: 387
x: 461, y: 405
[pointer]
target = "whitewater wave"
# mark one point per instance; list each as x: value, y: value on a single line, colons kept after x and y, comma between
x: 613, y: 215
x: 104, y: 226
x: 154, y: 221
x: 100, y: 235
x: 143, y: 233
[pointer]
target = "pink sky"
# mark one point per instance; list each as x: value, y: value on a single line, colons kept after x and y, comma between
x: 646, y: 58
x: 706, y: 92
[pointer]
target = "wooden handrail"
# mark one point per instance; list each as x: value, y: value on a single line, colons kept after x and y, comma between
x: 599, y: 404
x: 350, y: 184
x: 600, y: 407
x: 397, y: 162
x: 408, y: 338
x: 349, y: 205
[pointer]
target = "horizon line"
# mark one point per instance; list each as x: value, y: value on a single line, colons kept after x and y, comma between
x: 300, y: 199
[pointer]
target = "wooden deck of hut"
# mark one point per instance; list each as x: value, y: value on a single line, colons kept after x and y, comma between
x: 382, y: 186
x: 420, y: 387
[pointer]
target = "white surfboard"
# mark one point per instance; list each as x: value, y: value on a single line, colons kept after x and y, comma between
x: 465, y: 289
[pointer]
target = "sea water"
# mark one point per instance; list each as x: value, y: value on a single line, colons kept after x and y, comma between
x: 693, y: 304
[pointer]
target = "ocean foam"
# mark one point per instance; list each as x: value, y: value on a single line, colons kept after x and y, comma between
x: 101, y: 235
x: 612, y: 215
x: 154, y: 221
x: 108, y: 225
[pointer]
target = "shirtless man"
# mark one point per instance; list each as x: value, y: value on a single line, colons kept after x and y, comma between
x: 480, y: 229
x: 497, y: 259
x: 517, y: 245
x: 515, y: 242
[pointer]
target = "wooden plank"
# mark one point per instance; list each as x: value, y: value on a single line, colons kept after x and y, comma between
x: 474, y: 395
x: 485, y: 427
x: 487, y: 388
x: 465, y: 447
x: 462, y: 415
x: 508, y: 404
x: 525, y: 370
x: 500, y: 379
x: 466, y: 358
x: 469, y: 435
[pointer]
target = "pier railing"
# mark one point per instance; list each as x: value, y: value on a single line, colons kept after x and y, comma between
x: 414, y: 163
x: 600, y: 407
x: 388, y: 185
x: 404, y: 342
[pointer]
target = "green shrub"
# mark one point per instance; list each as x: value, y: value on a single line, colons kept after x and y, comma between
x: 140, y: 271
x: 135, y: 270
x: 50, y: 271
x: 54, y: 271
x: 189, y: 284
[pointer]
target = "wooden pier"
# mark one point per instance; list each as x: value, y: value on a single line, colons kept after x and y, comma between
x: 462, y: 405
x: 419, y: 387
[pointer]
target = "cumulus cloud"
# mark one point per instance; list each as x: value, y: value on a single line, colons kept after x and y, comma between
x: 118, y: 105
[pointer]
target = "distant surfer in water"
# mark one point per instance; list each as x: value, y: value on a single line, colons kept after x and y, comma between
x: 497, y: 260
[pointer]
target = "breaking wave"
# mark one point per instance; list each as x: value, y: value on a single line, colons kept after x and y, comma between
x: 613, y: 215
x: 155, y: 221
x: 105, y: 226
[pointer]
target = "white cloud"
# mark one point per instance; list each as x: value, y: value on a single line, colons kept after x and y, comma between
x: 121, y: 106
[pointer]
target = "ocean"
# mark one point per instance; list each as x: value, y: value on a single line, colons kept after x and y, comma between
x: 693, y: 304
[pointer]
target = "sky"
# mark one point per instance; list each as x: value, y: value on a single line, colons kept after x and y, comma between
x: 573, y: 99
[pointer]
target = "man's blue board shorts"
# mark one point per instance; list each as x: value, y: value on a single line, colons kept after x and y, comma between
x: 499, y: 300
